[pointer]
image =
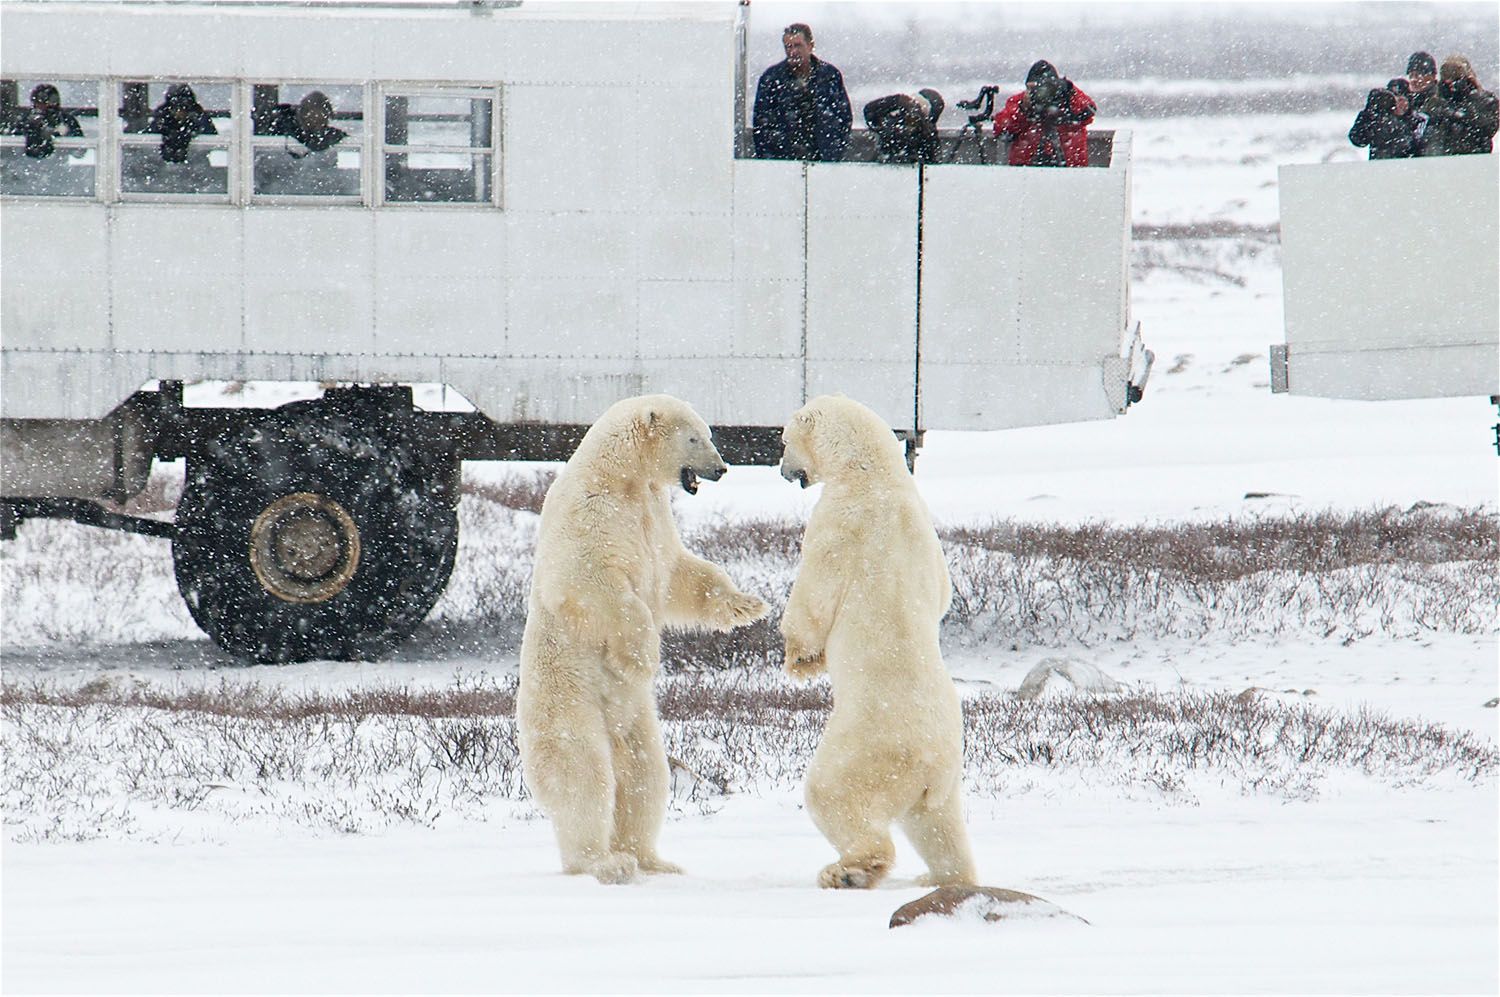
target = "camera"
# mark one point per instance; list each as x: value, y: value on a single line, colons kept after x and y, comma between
x: 1047, y: 99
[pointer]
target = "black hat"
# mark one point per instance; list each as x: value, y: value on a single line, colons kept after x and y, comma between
x: 1040, y: 70
x: 181, y: 93
x: 45, y: 93
x: 935, y: 103
x: 1421, y: 62
x: 1399, y: 86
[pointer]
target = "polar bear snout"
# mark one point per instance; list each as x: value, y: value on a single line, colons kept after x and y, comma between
x: 689, y: 476
x: 792, y: 469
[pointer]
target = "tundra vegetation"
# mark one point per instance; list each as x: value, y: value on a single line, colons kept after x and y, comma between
x: 114, y: 754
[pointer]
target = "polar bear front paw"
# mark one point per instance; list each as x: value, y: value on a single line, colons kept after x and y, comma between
x: 802, y: 662
x: 807, y: 667
x: 845, y: 877
x: 615, y: 868
x: 740, y: 609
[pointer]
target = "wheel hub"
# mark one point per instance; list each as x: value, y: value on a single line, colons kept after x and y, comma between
x: 304, y: 547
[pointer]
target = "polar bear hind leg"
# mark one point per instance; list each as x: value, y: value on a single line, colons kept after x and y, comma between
x: 843, y: 814
x: 643, y: 782
x: 938, y: 834
x: 573, y: 783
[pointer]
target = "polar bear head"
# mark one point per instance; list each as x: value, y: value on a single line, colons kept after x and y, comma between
x: 657, y: 439
x: 833, y: 437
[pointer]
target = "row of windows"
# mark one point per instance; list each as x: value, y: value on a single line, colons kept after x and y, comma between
x: 200, y: 140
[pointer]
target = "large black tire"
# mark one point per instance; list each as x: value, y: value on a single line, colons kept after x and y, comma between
x: 315, y: 532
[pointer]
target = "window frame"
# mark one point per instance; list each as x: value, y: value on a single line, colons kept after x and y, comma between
x: 111, y: 141
x: 362, y: 199
x: 102, y: 165
x: 427, y: 88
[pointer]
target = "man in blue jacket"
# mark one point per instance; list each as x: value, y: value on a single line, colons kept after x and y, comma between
x: 801, y: 109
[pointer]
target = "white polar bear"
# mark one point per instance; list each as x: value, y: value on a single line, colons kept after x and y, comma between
x: 610, y: 572
x: 865, y: 606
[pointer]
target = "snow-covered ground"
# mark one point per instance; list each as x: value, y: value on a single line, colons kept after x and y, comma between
x: 1364, y: 885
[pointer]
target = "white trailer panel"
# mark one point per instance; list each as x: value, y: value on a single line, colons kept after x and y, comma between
x: 624, y: 253
x: 1025, y: 294
x: 1389, y: 278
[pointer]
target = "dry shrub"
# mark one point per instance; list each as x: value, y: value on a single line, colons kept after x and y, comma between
x: 1232, y: 549
x: 465, y: 698
x: 110, y: 759
x: 521, y: 491
x: 1336, y: 575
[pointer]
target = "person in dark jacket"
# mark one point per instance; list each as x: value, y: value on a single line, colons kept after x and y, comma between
x: 1461, y: 115
x: 905, y: 125
x: 1421, y: 73
x: 1048, y: 121
x: 1415, y: 120
x: 801, y: 108
x: 309, y: 121
x: 1380, y: 127
x: 178, y: 120
x: 45, y: 121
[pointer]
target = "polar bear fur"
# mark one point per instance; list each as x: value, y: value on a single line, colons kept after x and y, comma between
x: 865, y: 607
x: 610, y: 572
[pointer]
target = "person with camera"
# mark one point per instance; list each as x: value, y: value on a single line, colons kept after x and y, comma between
x: 801, y: 107
x: 905, y: 125
x: 1461, y: 115
x: 1048, y: 121
x: 1382, y: 126
x: 1421, y: 77
x: 47, y: 120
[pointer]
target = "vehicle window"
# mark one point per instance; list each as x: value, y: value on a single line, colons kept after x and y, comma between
x: 439, y: 147
x: 175, y: 137
x: 306, y: 139
x: 50, y: 141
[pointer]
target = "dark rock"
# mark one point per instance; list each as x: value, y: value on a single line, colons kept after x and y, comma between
x: 987, y: 902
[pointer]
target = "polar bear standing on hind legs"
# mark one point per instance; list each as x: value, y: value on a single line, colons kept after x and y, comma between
x: 865, y: 607
x: 610, y: 572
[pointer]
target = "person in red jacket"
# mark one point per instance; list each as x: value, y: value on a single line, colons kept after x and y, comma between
x: 1048, y: 121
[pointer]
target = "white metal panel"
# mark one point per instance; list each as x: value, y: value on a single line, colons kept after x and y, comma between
x: 576, y: 390
x: 571, y: 148
x: 862, y: 286
x: 1383, y: 260
x: 193, y: 45
x: 686, y: 247
x: 696, y: 53
x: 306, y: 281
x: 729, y: 391
x: 677, y: 175
x: 1412, y: 372
x: 770, y: 199
x: 536, y: 42
x: 584, y: 316
x: 767, y: 318
x: 178, y: 277
x: 468, y: 319
x: 685, y: 318
x: 578, y: 246
x: 861, y: 262
x: 1005, y: 396
x: 50, y: 385
x: 1024, y: 293
x: 56, y: 252
x: 439, y: 282
x: 547, y: 52
x: 285, y: 45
